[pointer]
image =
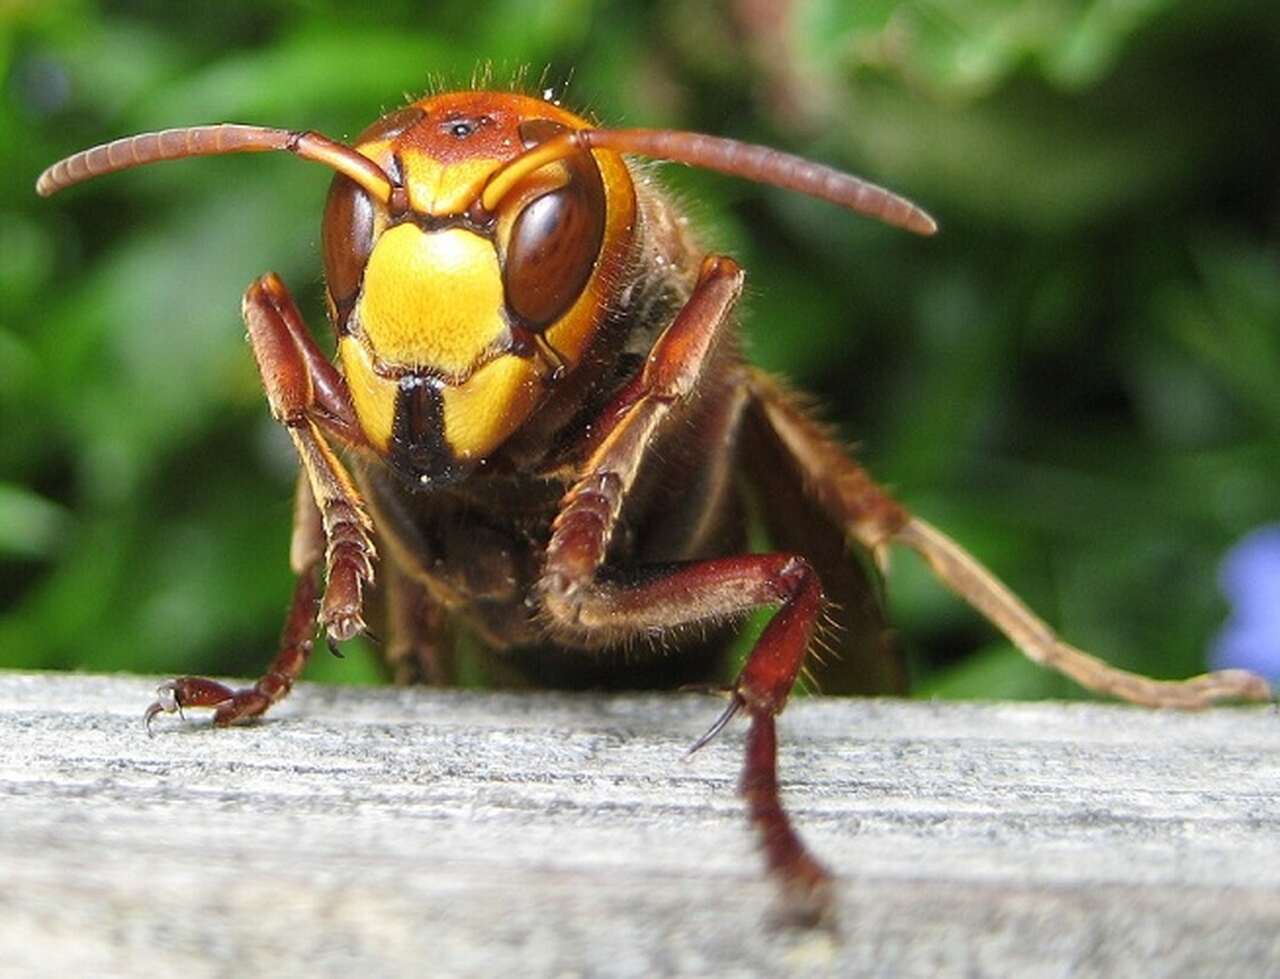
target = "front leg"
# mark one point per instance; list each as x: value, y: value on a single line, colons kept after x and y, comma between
x: 588, y: 605
x: 331, y: 525
x: 309, y: 397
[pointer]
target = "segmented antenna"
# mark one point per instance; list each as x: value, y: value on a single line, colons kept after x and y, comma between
x: 730, y: 156
x: 177, y: 144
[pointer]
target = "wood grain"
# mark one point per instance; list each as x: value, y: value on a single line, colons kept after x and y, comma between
x: 415, y: 832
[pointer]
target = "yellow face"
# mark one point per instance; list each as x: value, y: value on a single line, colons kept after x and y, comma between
x: 433, y: 300
x: 455, y: 324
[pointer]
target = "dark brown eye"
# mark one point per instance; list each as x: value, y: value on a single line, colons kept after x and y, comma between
x: 348, y: 241
x: 349, y: 215
x: 556, y: 239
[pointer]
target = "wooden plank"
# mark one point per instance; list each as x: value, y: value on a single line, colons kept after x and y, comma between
x: 415, y: 832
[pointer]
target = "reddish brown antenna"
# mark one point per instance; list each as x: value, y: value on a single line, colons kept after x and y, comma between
x: 177, y: 144
x: 758, y: 163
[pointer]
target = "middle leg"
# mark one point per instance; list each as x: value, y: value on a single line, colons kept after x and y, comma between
x: 296, y: 639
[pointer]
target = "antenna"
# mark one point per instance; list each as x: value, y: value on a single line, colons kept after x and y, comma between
x: 178, y: 144
x: 738, y: 159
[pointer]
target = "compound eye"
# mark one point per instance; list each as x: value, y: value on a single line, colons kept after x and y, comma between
x: 349, y: 215
x: 556, y: 239
x: 348, y: 242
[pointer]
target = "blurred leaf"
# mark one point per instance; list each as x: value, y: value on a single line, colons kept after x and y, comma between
x: 1229, y: 324
x: 997, y: 672
x: 1076, y: 378
x: 963, y: 49
x: 30, y: 526
x: 318, y: 70
x: 26, y: 253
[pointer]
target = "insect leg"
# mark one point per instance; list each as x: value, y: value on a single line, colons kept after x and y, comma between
x: 418, y: 648
x: 309, y: 397
x: 611, y: 607
x: 588, y: 604
x: 296, y: 643
x: 876, y: 520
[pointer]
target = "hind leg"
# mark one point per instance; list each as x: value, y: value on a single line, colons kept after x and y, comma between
x: 876, y: 520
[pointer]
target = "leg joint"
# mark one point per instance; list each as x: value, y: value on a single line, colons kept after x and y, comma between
x: 795, y: 576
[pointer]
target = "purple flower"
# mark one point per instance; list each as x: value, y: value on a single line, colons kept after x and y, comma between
x: 1250, y: 579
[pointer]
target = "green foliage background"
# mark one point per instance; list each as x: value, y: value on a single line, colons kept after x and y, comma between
x: 1079, y: 378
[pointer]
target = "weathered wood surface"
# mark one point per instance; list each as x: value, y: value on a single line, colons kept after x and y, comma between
x: 383, y: 832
